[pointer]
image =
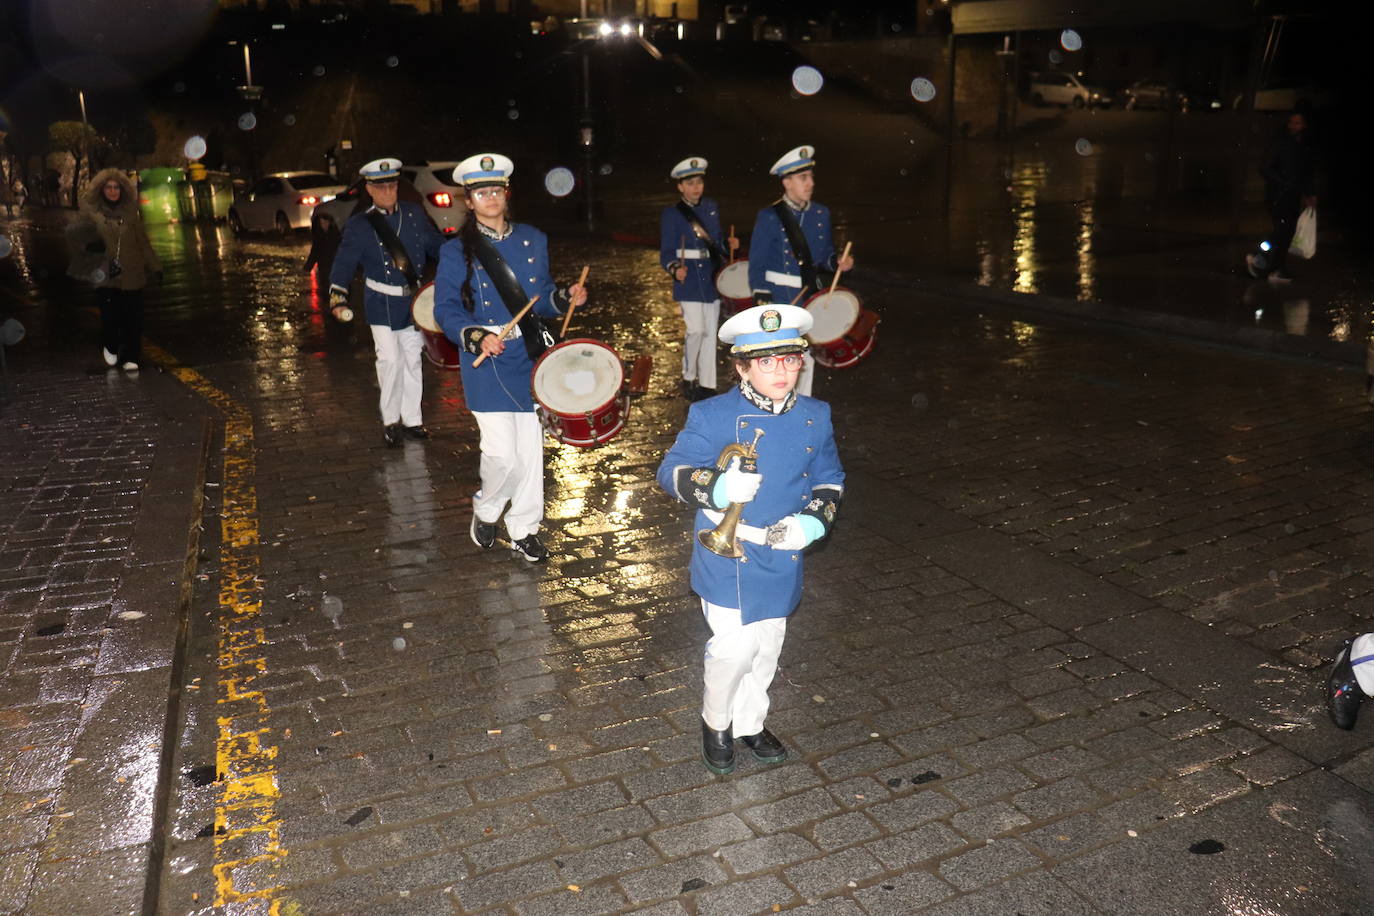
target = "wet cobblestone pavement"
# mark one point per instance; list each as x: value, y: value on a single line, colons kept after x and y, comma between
x: 1062, y: 654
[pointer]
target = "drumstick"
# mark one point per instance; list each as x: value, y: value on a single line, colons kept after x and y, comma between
x: 801, y: 292
x: 568, y: 317
x: 835, y: 280
x: 507, y: 329
x: 731, y: 237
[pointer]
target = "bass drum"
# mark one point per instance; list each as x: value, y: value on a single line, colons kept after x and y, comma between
x: 438, y: 348
x: 843, y: 332
x: 580, y: 388
x: 732, y: 282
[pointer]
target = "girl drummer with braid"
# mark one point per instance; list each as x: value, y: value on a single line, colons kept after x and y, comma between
x: 486, y: 276
x: 788, y: 493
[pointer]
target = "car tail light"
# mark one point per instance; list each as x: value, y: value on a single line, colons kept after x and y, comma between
x: 441, y: 199
x: 307, y: 200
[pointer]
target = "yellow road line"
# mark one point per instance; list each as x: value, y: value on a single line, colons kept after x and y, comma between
x: 246, y: 817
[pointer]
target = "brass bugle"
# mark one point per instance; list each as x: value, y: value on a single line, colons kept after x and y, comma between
x: 721, y: 539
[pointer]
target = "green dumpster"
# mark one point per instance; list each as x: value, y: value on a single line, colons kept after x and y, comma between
x: 186, y: 200
x: 159, y: 194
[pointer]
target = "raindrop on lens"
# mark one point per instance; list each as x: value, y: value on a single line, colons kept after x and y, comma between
x: 513, y: 114
x: 178, y: 86
x: 331, y: 606
x: 248, y: 121
x: 194, y: 147
x: 97, y: 276
x: 920, y: 401
x: 1056, y: 57
x: 902, y: 172
x: 1070, y: 40
x: 1083, y: 147
x: 289, y: 120
x: 678, y: 89
x: 510, y: 103
x: 559, y: 181
x: 605, y: 169
x: 922, y: 89
x: 319, y: 70
x: 807, y: 80
x: 399, y: 643
x: 392, y: 61
x: 6, y: 246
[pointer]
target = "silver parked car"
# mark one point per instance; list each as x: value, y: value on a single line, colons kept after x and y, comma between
x: 282, y: 201
x: 1056, y: 88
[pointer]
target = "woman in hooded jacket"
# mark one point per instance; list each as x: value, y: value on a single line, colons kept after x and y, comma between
x: 127, y: 261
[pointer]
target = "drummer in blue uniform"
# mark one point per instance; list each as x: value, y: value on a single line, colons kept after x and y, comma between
x: 392, y: 242
x: 790, y: 498
x: 486, y: 276
x: 691, y: 250
x: 791, y: 242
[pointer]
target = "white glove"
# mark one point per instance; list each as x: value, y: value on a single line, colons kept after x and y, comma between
x: 736, y: 486
x: 787, y: 534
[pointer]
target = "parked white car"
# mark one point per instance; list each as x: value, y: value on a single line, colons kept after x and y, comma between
x: 443, y: 198
x: 1056, y: 88
x: 282, y: 201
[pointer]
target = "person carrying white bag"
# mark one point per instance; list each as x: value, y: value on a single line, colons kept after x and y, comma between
x: 1289, y: 170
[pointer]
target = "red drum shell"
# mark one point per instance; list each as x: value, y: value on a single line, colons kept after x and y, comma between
x: 579, y: 386
x: 844, y: 331
x: 438, y: 348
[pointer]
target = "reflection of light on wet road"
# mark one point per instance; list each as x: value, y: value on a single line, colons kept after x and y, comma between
x: 1086, y: 211
x: 1025, y: 187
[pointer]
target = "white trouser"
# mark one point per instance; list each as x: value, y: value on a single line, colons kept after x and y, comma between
x: 398, y: 373
x: 739, y: 665
x: 512, y: 470
x: 808, y: 372
x: 1363, y: 648
x: 699, y: 344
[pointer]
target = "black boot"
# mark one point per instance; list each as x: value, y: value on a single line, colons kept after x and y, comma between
x: 766, y: 746
x: 717, y: 749
x: 1343, y: 693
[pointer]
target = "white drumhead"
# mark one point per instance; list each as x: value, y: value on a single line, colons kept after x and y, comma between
x: 422, y: 309
x: 733, y: 281
x: 577, y: 376
x: 834, y: 314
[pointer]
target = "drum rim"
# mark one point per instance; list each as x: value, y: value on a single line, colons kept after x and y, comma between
x: 858, y: 310
x: 580, y: 341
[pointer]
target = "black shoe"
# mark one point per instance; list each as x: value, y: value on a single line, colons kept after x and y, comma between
x: 531, y: 548
x: 1343, y: 693
x: 483, y: 535
x: 766, y: 746
x: 391, y: 434
x: 689, y: 388
x: 701, y: 393
x: 417, y: 432
x: 717, y: 750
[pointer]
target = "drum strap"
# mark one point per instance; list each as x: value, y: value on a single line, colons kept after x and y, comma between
x: 806, y: 265
x: 393, y: 248
x: 712, y: 247
x: 537, y: 338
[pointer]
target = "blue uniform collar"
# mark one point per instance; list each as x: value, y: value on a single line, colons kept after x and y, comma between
x: 493, y: 234
x: 800, y: 208
x: 766, y: 403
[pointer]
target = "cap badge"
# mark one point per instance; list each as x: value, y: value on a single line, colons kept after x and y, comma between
x: 693, y: 163
x: 488, y: 163
x: 770, y: 320
x: 806, y: 152
x: 385, y: 166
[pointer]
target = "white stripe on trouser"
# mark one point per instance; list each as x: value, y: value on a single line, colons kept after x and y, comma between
x: 739, y: 664
x: 512, y: 470
x: 699, y: 343
x: 398, y: 373
x: 1363, y: 648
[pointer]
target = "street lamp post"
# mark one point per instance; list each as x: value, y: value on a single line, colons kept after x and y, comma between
x: 586, y: 136
x: 83, y: 154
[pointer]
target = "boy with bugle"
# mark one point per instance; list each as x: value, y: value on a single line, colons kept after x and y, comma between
x: 760, y: 465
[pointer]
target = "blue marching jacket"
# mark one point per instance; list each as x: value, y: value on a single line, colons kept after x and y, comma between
x: 678, y: 244
x: 501, y: 383
x: 773, y: 269
x: 799, y: 463
x: 385, y: 298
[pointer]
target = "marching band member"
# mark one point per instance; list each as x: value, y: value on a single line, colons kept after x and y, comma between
x: 486, y: 276
x: 1351, y: 680
x: 691, y: 251
x: 792, y: 241
x: 392, y: 241
x: 789, y: 500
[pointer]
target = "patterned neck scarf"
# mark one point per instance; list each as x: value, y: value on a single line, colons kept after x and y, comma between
x: 766, y: 403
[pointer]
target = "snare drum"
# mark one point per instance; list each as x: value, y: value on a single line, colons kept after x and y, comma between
x: 438, y: 348
x: 844, y: 331
x: 732, y: 282
x: 580, y: 388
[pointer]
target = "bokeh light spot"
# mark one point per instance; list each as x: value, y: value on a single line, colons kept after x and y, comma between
x: 194, y: 148
x: 807, y: 80
x: 922, y: 89
x: 1083, y: 147
x: 559, y: 181
x: 248, y: 121
x: 1070, y: 40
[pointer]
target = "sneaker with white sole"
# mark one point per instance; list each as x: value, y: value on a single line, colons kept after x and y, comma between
x: 130, y: 366
x: 110, y: 358
x: 531, y: 548
x: 483, y: 535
